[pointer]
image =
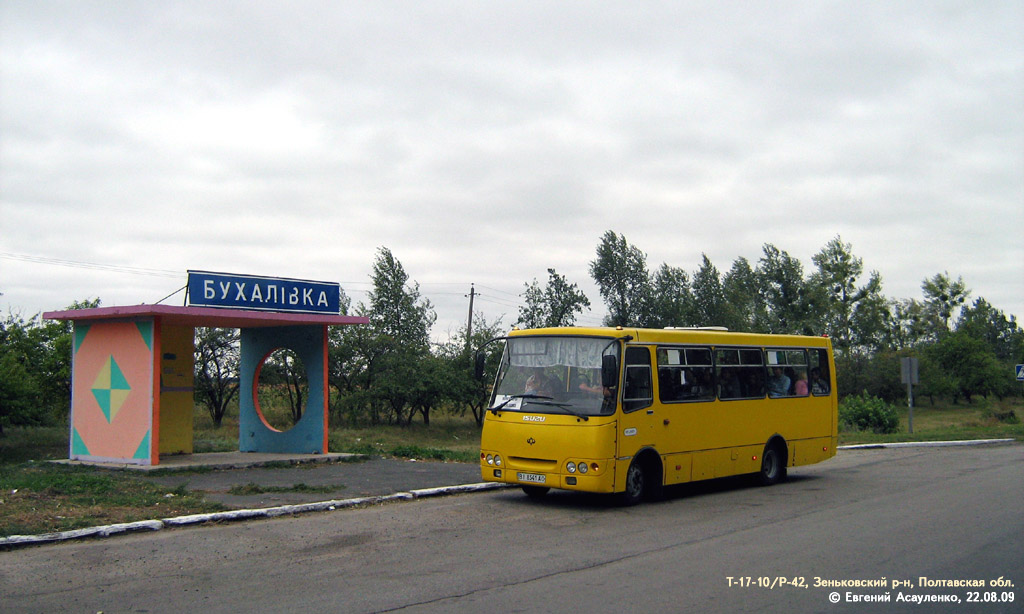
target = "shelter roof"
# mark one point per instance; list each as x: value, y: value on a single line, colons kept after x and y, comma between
x: 177, y: 315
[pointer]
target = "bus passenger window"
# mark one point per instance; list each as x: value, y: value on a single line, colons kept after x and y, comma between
x: 787, y: 373
x: 685, y: 374
x: 820, y: 380
x: 740, y: 373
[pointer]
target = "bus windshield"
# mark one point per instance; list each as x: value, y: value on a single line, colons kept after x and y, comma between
x: 557, y: 375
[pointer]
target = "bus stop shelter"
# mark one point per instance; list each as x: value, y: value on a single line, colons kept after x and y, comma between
x: 132, y: 379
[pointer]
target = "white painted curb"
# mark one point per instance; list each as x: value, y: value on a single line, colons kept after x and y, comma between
x: 270, y: 512
x: 924, y: 444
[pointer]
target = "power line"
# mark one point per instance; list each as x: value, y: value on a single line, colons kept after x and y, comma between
x: 91, y: 265
x: 514, y: 301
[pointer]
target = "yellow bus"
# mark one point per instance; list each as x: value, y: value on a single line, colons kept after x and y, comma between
x: 628, y: 411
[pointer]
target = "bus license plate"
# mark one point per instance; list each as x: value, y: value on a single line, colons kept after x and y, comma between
x: 536, y: 478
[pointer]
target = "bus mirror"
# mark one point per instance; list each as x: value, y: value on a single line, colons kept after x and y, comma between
x: 478, y: 365
x: 609, y: 371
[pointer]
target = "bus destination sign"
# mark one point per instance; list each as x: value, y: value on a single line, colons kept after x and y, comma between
x: 226, y: 290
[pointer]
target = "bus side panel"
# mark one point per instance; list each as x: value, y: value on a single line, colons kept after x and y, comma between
x: 725, y: 462
x: 677, y: 468
x: 810, y: 451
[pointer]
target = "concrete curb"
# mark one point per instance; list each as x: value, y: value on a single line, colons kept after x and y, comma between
x: 924, y: 444
x: 15, y: 541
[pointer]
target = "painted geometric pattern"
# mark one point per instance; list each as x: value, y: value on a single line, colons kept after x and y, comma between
x: 110, y: 389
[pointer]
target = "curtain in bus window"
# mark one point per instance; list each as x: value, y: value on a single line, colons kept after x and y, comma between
x: 550, y: 351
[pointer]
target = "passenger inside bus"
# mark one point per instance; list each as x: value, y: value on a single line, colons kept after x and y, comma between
x: 800, y: 385
x: 541, y: 384
x: 778, y: 383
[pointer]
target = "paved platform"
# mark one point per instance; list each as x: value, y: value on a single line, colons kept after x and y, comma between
x: 220, y: 460
x: 241, y: 480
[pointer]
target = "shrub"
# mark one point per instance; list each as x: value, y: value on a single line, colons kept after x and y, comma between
x: 1006, y: 416
x: 865, y: 412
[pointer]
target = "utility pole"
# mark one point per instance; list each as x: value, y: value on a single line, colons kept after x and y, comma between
x: 469, y: 322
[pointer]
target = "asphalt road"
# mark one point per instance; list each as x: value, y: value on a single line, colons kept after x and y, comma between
x: 944, y: 515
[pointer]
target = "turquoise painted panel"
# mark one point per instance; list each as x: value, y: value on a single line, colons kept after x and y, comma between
x: 308, y: 435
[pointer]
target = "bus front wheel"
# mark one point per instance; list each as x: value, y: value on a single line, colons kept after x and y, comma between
x: 636, y: 483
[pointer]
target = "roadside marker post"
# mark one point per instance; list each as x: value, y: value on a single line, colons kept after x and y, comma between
x: 909, y: 376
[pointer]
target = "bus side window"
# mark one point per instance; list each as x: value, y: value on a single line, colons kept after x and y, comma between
x: 787, y: 372
x: 638, y: 391
x: 685, y: 374
x: 820, y: 379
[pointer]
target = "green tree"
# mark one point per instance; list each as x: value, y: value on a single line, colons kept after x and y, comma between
x: 355, y: 357
x: 671, y: 300
x: 943, y: 297
x: 620, y: 271
x: 744, y: 302
x: 216, y: 370
x: 854, y: 317
x: 283, y: 381
x: 871, y: 318
x: 709, y: 304
x: 789, y: 301
x: 35, y: 378
x: 1003, y: 335
x: 19, y: 394
x: 377, y: 367
x: 907, y: 324
x: 970, y: 365
x: 465, y: 390
x: 557, y: 304
x: 397, y: 310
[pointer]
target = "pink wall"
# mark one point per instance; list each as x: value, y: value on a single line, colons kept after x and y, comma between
x: 112, y: 392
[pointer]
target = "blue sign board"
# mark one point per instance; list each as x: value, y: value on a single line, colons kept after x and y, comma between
x: 230, y: 291
x: 1020, y: 373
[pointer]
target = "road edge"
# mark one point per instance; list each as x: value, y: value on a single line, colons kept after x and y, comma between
x: 15, y: 541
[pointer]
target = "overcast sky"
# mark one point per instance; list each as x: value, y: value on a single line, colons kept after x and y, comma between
x: 484, y: 142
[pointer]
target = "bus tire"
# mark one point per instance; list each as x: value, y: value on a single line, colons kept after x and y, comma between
x: 536, y: 492
x: 636, y: 484
x: 773, y: 465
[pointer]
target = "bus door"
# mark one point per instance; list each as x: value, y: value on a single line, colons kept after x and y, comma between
x: 639, y: 419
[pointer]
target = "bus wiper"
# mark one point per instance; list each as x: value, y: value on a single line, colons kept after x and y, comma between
x: 497, y: 408
x: 566, y: 407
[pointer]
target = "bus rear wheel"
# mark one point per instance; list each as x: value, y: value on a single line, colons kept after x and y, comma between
x: 773, y: 465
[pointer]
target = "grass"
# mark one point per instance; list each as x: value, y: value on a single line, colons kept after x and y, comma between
x: 947, y: 422
x: 255, y: 489
x: 45, y: 497
x: 38, y: 497
x: 448, y: 438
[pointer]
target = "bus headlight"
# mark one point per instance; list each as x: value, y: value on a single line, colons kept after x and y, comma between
x: 490, y: 459
x: 583, y: 467
x: 497, y: 460
x: 570, y: 467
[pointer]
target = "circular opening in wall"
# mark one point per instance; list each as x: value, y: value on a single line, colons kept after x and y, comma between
x: 282, y: 389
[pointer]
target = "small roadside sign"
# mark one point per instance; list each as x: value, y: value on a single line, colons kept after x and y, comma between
x: 1020, y: 373
x: 909, y: 371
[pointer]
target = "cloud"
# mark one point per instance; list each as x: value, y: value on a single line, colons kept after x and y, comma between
x: 488, y: 142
